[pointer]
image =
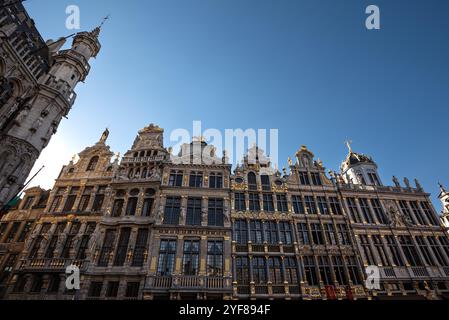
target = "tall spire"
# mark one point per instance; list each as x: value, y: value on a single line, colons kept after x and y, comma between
x: 96, y: 31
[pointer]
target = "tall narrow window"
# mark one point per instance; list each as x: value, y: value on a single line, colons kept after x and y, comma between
x: 366, y: 210
x: 310, y: 270
x: 378, y: 211
x: 259, y: 270
x: 330, y: 233
x: 343, y: 235
x: 265, y: 181
x: 335, y: 206
x: 291, y: 270
x: 65, y: 253
x: 322, y: 205
x: 395, y: 254
x: 424, y: 250
x: 68, y: 206
x: 242, y: 270
x: 84, y: 201
x: 25, y: 231
x: 13, y: 232
x: 339, y: 270
x: 429, y: 213
x: 81, y: 255
x: 196, y: 179
x: 304, y: 178
x: 268, y: 205
x: 317, y: 234
x: 367, y: 252
x: 117, y: 208
x: 122, y: 247
x: 256, y: 232
x: 193, y: 216
x: 298, y: 206
x: 281, y: 200
x: 140, y: 248
x: 378, y: 246
x: 254, y: 203
x: 406, y: 211
x: 252, y: 182
x: 240, y: 231
x: 274, y: 265
x: 437, y: 251
x: 215, y: 216
x: 417, y: 212
x: 271, y: 232
x: 410, y: 251
x: 55, y: 204
x: 166, y: 261
x: 215, y: 258
x: 92, y: 164
x: 374, y: 179
x: 49, y: 254
x: 106, y: 250
x: 175, y: 179
x: 239, y: 201
x: 34, y: 250
x: 325, y: 270
x: 216, y: 180
x: 172, y: 210
x: 353, y: 271
x: 353, y: 210
x: 99, y: 199
x: 310, y: 205
x: 147, y: 207
x: 285, y: 231
x: 190, y: 257
x: 316, y: 179
x: 28, y: 202
x: 131, y: 206
x: 303, y: 234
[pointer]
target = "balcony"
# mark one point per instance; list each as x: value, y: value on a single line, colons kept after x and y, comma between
x: 413, y: 272
x: 51, y: 264
x: 202, y: 283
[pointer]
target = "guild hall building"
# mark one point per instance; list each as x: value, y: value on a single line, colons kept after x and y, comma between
x: 152, y: 225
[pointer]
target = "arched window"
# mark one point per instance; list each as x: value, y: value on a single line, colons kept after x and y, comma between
x: 144, y: 173
x: 92, y: 164
x: 252, y: 182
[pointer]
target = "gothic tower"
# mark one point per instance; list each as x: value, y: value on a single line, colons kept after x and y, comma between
x: 34, y: 120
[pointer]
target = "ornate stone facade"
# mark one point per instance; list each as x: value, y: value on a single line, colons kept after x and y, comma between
x: 37, y: 82
x: 158, y: 226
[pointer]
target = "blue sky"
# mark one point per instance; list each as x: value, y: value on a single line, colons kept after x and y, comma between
x: 309, y: 68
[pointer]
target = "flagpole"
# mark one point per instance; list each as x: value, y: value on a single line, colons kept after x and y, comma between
x: 20, y: 191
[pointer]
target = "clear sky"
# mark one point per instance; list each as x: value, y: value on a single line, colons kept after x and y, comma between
x: 309, y: 68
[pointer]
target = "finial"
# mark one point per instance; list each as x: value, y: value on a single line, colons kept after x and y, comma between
x: 96, y: 31
x: 441, y: 187
x: 74, y: 157
x: 117, y: 156
x: 348, y: 144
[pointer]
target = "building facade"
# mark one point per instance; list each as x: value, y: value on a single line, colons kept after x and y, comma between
x: 153, y: 225
x: 37, y: 83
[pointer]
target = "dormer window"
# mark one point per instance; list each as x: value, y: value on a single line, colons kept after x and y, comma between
x: 265, y: 180
x: 252, y: 182
x: 92, y: 164
x: 374, y: 178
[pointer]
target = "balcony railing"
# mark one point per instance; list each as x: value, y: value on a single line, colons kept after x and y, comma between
x: 189, y: 282
x: 50, y: 264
